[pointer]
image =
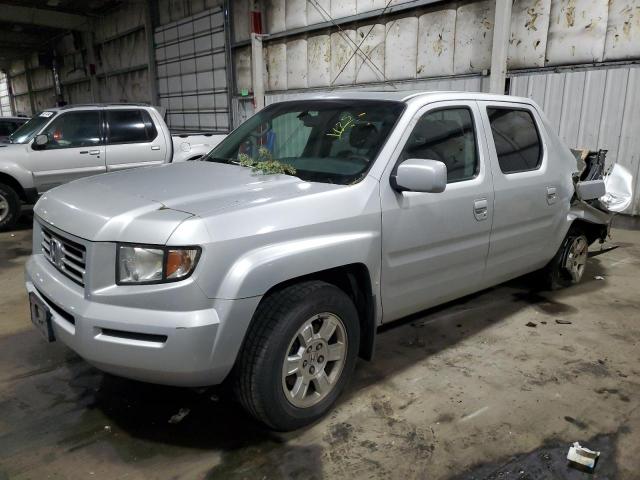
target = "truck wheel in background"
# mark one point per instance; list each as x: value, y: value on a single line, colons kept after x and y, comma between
x: 298, y: 355
x: 567, y: 266
x: 9, y: 207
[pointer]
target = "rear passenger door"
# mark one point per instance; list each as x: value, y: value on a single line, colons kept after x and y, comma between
x: 528, y: 205
x: 434, y: 245
x: 132, y: 139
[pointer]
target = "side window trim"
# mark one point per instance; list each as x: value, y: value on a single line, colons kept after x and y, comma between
x: 517, y: 108
x: 107, y: 128
x: 423, y: 112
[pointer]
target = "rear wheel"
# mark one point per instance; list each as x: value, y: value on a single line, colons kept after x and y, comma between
x: 299, y: 355
x: 9, y: 207
x: 569, y: 263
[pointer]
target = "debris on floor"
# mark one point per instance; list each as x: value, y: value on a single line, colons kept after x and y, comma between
x: 561, y: 321
x: 107, y: 428
x: 530, y: 324
x: 582, y: 456
x: 178, y: 417
x: 598, y: 277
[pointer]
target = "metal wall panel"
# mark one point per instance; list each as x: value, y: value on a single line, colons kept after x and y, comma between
x: 277, y: 66
x: 319, y: 61
x: 343, y: 63
x: 297, y: 64
x: 5, y: 101
x: 318, y: 11
x: 275, y: 16
x: 436, y: 37
x: 577, y: 31
x: 597, y: 108
x: 192, y: 72
x: 623, y: 30
x: 402, y: 48
x: 370, y: 62
x: 296, y: 13
x: 528, y: 38
x: 474, y: 37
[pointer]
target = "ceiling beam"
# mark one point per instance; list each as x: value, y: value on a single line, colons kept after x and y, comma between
x: 12, y: 52
x: 10, y: 38
x: 44, y: 18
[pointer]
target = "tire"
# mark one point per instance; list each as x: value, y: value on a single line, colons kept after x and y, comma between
x: 568, y: 265
x: 279, y: 331
x: 9, y: 207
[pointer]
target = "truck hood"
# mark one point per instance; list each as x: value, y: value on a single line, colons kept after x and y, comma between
x: 146, y: 205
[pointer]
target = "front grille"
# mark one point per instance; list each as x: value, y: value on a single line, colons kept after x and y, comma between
x: 67, y: 256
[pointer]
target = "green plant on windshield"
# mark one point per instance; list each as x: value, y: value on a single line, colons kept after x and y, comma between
x: 265, y: 163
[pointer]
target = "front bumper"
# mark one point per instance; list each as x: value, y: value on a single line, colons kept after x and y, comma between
x: 182, y: 348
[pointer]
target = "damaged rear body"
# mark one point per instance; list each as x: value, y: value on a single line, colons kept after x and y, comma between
x: 600, y: 191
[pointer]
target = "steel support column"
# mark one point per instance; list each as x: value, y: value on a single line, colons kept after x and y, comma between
x: 501, y: 31
x: 257, y: 72
x: 149, y: 23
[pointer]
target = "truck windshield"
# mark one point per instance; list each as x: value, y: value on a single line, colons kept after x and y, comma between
x: 330, y: 141
x: 29, y: 130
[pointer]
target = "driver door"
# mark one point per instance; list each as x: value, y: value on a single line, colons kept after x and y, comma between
x: 75, y: 149
x: 435, y: 245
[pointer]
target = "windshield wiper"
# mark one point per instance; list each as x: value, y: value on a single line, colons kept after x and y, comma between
x: 219, y: 159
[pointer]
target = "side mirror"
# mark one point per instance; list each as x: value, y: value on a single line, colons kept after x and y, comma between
x: 40, y: 142
x: 419, y: 175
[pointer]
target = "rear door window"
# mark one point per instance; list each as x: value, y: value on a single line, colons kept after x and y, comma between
x: 129, y: 126
x: 516, y: 138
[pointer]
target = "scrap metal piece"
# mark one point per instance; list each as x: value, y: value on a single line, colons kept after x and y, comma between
x: 619, y: 187
x: 582, y: 456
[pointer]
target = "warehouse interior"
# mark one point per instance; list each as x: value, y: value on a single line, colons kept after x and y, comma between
x: 469, y: 390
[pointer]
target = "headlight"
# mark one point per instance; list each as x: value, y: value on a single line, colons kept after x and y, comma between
x: 153, y: 264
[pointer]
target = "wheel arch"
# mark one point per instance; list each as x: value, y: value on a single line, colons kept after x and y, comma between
x: 15, y: 185
x: 593, y: 231
x: 355, y: 280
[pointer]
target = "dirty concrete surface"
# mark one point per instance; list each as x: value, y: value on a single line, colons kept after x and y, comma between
x: 465, y: 391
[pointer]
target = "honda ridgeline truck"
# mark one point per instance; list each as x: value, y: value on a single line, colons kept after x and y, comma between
x: 271, y: 262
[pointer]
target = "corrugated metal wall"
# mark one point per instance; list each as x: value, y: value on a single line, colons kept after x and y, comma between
x: 428, y: 40
x: 592, y: 109
x: 471, y: 83
x: 192, y: 72
x: 5, y: 101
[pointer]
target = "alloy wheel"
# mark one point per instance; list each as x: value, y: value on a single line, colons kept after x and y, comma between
x: 315, y: 359
x: 577, y: 258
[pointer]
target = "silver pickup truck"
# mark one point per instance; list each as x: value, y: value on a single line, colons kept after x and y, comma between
x: 271, y: 263
x: 63, y: 144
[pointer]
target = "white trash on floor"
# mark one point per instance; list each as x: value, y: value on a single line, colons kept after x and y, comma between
x: 582, y: 455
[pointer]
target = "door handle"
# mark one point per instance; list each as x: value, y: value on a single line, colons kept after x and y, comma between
x: 481, y: 209
x: 155, y: 147
x: 94, y: 152
x: 552, y: 195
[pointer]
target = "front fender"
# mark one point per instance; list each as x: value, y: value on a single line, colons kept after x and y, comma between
x: 255, y: 272
x: 14, y: 169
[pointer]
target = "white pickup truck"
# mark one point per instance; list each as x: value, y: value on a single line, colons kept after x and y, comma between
x: 63, y: 144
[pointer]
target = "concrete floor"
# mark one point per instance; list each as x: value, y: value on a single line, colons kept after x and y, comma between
x: 465, y: 391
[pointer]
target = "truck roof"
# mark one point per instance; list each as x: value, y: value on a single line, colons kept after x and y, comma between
x: 407, y: 95
x: 95, y: 105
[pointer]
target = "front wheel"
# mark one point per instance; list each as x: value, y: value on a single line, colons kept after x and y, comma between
x: 299, y: 354
x: 568, y: 265
x: 9, y: 207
